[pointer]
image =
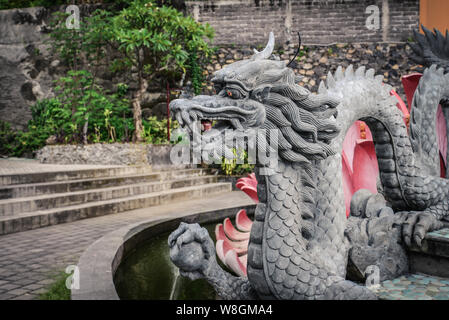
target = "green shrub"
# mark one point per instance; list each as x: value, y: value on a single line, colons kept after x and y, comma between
x: 91, y: 114
x: 8, y: 139
x: 230, y: 167
x: 48, y: 118
x: 155, y: 131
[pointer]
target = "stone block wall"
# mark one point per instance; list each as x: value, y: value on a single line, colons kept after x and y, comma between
x: 319, y: 21
x: 27, y: 70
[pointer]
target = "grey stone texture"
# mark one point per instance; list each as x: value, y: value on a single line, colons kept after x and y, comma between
x: 414, y: 287
x: 128, y: 154
x: 320, y: 22
x: 300, y: 240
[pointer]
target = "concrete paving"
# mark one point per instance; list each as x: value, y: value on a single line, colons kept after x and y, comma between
x: 29, y: 260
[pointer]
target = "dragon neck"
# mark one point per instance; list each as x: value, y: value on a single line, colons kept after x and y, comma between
x: 278, y: 254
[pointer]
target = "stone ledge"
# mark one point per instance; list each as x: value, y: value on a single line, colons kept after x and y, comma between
x: 100, y: 261
x: 433, y: 256
x: 158, y: 156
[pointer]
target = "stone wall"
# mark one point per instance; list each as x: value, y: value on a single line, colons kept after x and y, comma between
x: 158, y: 156
x: 318, y: 21
x: 388, y: 59
x: 27, y: 70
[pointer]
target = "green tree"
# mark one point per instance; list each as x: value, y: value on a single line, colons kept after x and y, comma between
x: 154, y: 41
x: 80, y: 49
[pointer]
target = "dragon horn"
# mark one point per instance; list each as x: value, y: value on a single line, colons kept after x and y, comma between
x: 265, y: 53
x: 292, y: 63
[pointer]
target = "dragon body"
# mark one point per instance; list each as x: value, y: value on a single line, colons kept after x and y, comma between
x: 302, y: 246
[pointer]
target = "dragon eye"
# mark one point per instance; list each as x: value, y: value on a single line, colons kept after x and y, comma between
x: 234, y: 94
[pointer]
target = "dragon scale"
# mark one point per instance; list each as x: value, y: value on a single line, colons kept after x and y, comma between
x: 301, y: 241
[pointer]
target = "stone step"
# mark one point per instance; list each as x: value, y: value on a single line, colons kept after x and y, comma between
x: 68, y: 174
x: 38, y: 219
x: 11, y: 207
x: 433, y: 256
x: 429, y: 272
x: 35, y: 189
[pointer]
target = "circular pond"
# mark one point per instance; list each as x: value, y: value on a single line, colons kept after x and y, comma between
x: 148, y: 273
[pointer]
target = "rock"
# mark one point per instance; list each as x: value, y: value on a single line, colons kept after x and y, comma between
x: 310, y: 73
x: 55, y: 63
x: 323, y: 60
x: 26, y: 91
x: 307, y: 66
x: 51, y: 140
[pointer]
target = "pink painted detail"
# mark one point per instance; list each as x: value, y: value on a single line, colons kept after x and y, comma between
x: 365, y: 165
x: 410, y: 83
x: 442, y: 137
x: 235, y: 263
x: 240, y: 246
x: 232, y: 244
x: 359, y: 161
x: 242, y: 221
x: 249, y: 186
x: 232, y: 233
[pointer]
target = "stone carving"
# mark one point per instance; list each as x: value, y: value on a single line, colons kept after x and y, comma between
x: 431, y: 48
x: 301, y: 245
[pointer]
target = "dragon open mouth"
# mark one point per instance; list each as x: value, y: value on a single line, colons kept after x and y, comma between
x: 204, y: 113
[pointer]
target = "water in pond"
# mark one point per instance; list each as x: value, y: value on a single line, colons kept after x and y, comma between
x: 147, y: 273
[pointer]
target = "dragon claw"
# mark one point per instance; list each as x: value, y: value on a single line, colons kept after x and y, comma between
x: 416, y: 226
x: 191, y: 250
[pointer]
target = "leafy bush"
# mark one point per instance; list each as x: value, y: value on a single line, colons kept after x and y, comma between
x: 155, y: 131
x: 92, y: 114
x: 8, y: 139
x: 48, y: 119
x: 230, y: 167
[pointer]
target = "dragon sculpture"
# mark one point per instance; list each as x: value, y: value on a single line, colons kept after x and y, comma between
x: 301, y: 244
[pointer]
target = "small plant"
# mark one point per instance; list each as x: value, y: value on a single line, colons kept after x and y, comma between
x: 155, y: 131
x: 230, y: 167
x: 8, y: 139
x: 58, y: 290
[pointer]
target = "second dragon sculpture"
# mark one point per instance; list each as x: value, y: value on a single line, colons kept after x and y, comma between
x: 302, y: 246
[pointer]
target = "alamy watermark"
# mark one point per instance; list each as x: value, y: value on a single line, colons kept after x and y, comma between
x: 372, y: 274
x: 259, y: 145
x: 373, y: 20
x: 73, y: 280
x: 73, y: 20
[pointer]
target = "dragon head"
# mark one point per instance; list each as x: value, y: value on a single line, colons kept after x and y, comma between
x: 261, y: 93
